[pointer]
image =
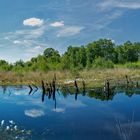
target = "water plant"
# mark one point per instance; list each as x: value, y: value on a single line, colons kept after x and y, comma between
x: 125, y: 130
x: 10, y: 131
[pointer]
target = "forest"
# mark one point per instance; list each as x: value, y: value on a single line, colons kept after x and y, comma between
x: 103, y: 53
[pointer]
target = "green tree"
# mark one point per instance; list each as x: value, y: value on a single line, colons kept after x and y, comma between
x: 128, y: 52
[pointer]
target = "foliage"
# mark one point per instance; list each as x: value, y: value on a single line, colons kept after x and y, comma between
x: 134, y: 65
x: 102, y: 63
x: 128, y: 52
x: 98, y: 54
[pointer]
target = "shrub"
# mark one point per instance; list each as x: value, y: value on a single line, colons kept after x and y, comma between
x: 134, y: 65
x: 102, y: 63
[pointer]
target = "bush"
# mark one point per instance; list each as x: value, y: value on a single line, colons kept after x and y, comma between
x: 134, y: 65
x: 102, y: 63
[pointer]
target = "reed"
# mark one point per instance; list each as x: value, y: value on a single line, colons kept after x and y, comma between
x: 92, y: 78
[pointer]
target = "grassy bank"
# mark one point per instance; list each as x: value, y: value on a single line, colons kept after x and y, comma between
x: 93, y: 78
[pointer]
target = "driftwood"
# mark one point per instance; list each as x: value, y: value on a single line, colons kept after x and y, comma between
x: 31, y: 89
x: 43, y: 91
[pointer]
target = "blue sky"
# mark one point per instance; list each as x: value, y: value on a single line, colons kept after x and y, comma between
x: 27, y: 27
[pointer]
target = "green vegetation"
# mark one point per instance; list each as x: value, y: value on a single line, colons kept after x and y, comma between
x: 13, y: 132
x: 92, y: 61
x: 98, y: 54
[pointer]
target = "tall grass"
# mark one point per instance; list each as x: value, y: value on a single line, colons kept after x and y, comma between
x: 92, y: 77
x: 125, y: 130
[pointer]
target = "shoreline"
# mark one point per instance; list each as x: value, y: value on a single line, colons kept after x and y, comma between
x: 92, y: 78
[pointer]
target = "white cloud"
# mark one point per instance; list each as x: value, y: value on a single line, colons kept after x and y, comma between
x: 70, y: 31
x: 106, y: 5
x: 16, y: 42
x: 57, y: 24
x: 34, y: 113
x: 59, y: 110
x: 111, y: 4
x: 38, y: 47
x: 36, y: 50
x: 27, y: 34
x: 29, y: 42
x: 34, y: 33
x: 17, y: 93
x: 34, y: 45
x: 129, y: 5
x: 72, y: 103
x: 111, y: 11
x: 103, y: 22
x: 33, y: 22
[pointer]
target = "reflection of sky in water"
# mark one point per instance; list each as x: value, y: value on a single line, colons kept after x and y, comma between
x: 87, y: 118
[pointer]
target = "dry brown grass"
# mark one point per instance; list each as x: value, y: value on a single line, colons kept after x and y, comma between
x: 92, y: 77
x: 118, y: 74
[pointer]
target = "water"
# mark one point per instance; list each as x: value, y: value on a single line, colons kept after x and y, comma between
x: 92, y: 116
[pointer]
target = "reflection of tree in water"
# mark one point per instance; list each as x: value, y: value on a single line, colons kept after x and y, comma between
x: 51, y: 91
x: 99, y: 93
x: 4, y: 88
x: 107, y: 92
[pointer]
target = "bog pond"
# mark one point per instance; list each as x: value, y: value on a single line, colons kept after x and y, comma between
x: 85, y: 115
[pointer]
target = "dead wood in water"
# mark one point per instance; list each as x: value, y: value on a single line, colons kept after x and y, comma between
x: 84, y: 87
x: 31, y: 89
x: 77, y: 89
x: 53, y: 89
x: 36, y: 89
x: 43, y: 91
x: 76, y: 86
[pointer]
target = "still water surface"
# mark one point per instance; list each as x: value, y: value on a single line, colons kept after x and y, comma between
x: 91, y: 116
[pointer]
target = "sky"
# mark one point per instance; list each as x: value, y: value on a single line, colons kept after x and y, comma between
x: 28, y: 27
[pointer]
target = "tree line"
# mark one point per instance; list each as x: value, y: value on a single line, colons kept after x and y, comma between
x: 103, y: 53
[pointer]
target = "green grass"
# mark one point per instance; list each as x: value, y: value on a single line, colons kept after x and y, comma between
x: 129, y: 65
